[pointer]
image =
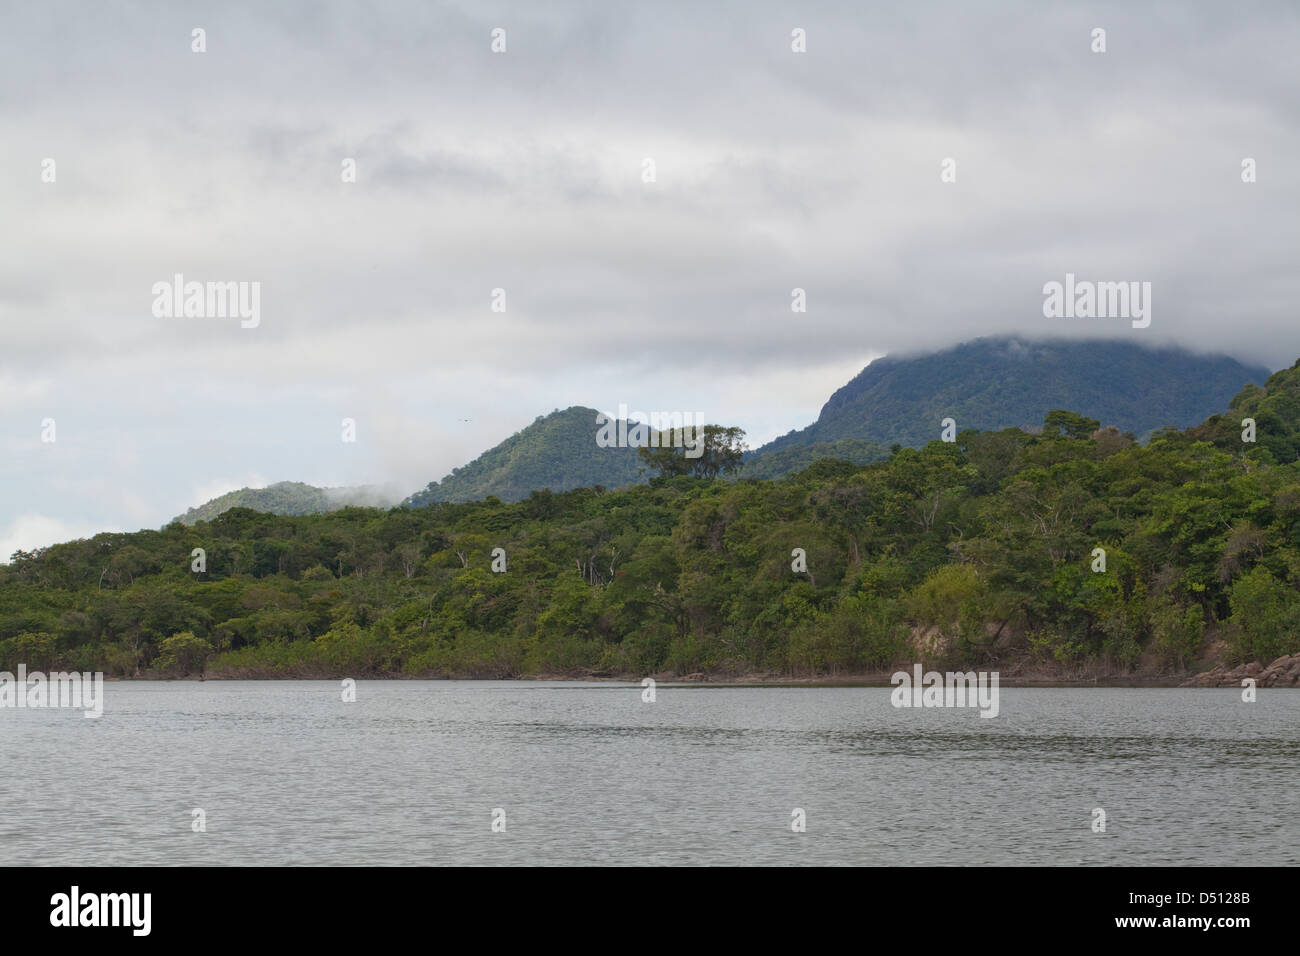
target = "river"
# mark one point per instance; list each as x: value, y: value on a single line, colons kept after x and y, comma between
x: 416, y: 773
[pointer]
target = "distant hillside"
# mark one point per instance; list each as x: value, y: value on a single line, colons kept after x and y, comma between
x: 995, y: 383
x: 291, y: 498
x: 558, y: 452
x: 988, y: 384
x: 1275, y: 410
x: 793, y: 459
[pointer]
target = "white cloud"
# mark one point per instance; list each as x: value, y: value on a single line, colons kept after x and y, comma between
x: 523, y: 171
x: 31, y: 531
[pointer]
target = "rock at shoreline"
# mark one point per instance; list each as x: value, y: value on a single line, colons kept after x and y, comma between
x: 1283, y: 672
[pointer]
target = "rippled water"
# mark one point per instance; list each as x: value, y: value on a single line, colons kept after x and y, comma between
x: 410, y: 773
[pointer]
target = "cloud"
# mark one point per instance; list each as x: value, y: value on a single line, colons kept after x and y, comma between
x: 523, y: 171
x: 31, y: 531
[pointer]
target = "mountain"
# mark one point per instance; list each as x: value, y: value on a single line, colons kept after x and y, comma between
x: 792, y: 459
x: 557, y: 451
x: 965, y: 554
x: 291, y: 498
x: 995, y: 383
x: 987, y: 384
x: 1275, y: 412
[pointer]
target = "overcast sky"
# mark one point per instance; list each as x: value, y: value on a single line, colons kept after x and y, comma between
x: 524, y: 171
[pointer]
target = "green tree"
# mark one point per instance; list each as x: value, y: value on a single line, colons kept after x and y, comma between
x: 183, y: 653
x: 1267, y: 615
x: 715, y: 450
x: 1069, y: 424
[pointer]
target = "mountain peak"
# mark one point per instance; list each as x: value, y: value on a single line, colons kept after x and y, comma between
x: 556, y: 452
x: 1006, y: 381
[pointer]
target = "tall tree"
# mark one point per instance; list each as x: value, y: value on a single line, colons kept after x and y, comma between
x: 719, y: 451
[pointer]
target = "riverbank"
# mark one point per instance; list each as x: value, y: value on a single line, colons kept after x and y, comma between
x: 1282, y: 672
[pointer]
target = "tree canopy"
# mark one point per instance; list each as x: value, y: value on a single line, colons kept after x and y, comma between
x: 1077, y: 546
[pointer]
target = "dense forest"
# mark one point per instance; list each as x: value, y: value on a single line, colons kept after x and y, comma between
x: 779, y: 462
x: 1076, y: 546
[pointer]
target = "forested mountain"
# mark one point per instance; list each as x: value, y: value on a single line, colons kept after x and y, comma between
x: 995, y: 383
x: 557, y: 452
x: 987, y: 384
x: 1275, y: 411
x: 290, y: 498
x: 1073, y: 547
x: 772, y: 462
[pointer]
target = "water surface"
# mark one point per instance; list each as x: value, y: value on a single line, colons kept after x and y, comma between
x: 287, y: 773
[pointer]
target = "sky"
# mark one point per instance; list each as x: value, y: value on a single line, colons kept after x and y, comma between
x: 525, y: 170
